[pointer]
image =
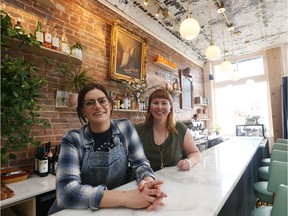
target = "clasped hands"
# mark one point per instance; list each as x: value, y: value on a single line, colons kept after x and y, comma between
x: 150, y: 194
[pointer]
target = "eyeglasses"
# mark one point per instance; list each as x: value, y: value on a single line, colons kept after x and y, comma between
x: 88, y: 104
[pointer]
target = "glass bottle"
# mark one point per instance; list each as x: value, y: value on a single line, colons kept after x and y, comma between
x: 126, y: 101
x: 47, y: 37
x: 55, y: 40
x: 42, y: 163
x: 64, y: 46
x: 18, y: 27
x: 39, y: 34
x: 50, y: 158
x: 36, y: 160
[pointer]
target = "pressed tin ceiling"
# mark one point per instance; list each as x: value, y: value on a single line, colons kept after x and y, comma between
x: 258, y: 24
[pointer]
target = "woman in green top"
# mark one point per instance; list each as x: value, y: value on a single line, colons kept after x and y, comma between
x: 163, y: 139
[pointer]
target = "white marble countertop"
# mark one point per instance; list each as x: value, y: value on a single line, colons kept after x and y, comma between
x: 30, y: 187
x: 201, y: 191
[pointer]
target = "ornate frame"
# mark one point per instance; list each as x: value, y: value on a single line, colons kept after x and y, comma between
x: 128, y: 55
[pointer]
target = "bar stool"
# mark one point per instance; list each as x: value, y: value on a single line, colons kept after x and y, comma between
x: 264, y: 190
x: 264, y: 171
x: 277, y: 146
x: 279, y: 207
x: 281, y: 140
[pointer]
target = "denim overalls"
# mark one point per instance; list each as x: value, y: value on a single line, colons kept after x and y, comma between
x: 108, y: 168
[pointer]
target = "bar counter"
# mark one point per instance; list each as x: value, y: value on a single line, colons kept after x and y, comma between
x: 204, y: 190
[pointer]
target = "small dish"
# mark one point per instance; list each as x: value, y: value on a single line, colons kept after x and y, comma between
x: 14, y: 175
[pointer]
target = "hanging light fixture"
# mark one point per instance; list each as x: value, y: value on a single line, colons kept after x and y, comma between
x: 213, y: 52
x: 189, y: 28
x: 234, y: 75
x: 158, y: 12
x: 225, y: 66
x: 221, y: 8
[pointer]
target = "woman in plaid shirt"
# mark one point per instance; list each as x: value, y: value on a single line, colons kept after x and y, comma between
x: 94, y: 160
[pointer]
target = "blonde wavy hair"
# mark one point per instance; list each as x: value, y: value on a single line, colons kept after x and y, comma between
x: 163, y: 94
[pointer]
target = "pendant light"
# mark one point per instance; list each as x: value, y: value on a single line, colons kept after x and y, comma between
x: 213, y: 52
x: 225, y: 66
x: 189, y: 28
x: 234, y: 75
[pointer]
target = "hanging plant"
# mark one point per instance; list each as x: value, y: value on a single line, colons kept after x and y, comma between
x: 20, y: 88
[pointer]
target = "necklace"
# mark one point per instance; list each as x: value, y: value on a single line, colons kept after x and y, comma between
x: 160, y: 150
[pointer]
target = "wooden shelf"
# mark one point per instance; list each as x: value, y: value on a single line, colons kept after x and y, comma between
x: 43, y: 51
x: 165, y: 66
x: 47, y: 3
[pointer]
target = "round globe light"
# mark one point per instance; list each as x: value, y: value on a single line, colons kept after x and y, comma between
x: 213, y: 52
x: 189, y: 28
x: 225, y: 66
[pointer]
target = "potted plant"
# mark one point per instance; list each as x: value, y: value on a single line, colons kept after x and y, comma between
x: 217, y: 128
x: 20, y: 88
x: 76, y: 50
x: 76, y: 79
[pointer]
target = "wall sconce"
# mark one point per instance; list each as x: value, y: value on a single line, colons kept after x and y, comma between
x: 146, y: 2
x: 189, y: 28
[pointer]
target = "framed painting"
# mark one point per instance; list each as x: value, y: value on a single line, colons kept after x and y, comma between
x: 128, y: 55
x: 186, y: 82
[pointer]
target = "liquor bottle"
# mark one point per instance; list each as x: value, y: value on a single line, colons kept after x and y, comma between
x: 42, y: 163
x: 47, y: 37
x: 64, y: 46
x: 126, y: 101
x: 50, y: 158
x: 36, y: 160
x: 56, y: 156
x: 18, y: 27
x: 55, y: 40
x: 39, y: 34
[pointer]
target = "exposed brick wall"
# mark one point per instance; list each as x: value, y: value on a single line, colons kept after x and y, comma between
x: 90, y: 23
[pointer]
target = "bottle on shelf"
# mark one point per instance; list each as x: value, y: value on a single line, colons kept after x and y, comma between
x: 64, y: 46
x: 42, y: 163
x: 39, y: 34
x: 36, y: 160
x: 47, y: 37
x: 50, y: 158
x: 56, y: 156
x: 55, y: 40
x: 18, y: 27
x: 126, y: 101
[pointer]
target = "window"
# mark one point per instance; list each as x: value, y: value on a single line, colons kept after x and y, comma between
x: 246, y: 95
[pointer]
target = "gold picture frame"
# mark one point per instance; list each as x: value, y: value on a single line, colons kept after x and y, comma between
x: 128, y: 55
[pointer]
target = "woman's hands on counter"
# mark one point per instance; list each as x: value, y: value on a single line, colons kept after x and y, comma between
x: 148, y: 195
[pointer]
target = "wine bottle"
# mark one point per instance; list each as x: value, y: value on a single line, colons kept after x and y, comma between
x: 50, y: 158
x: 47, y: 37
x: 36, y: 160
x: 126, y: 101
x: 39, y: 34
x: 55, y: 40
x: 56, y: 155
x: 18, y: 27
x: 42, y: 163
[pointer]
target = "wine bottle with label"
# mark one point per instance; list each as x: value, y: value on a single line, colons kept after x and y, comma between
x: 47, y: 37
x: 55, y: 40
x: 39, y: 34
x: 50, y: 158
x: 42, y: 163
